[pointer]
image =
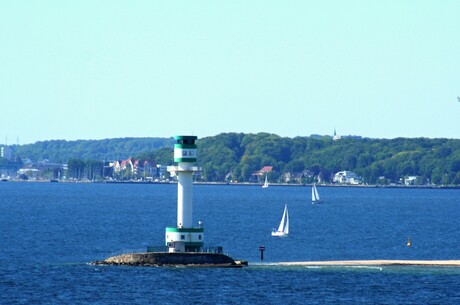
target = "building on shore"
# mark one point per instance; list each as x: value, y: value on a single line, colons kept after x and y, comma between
x: 347, y: 177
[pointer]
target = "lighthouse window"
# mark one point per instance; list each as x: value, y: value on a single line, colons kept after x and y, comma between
x: 199, y: 237
x: 182, y: 237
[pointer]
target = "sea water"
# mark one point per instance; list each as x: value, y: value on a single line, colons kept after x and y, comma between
x: 49, y: 232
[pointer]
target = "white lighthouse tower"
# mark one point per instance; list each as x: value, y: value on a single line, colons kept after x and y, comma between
x: 184, y: 237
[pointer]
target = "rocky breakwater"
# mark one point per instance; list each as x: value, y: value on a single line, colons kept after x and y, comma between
x: 187, y: 259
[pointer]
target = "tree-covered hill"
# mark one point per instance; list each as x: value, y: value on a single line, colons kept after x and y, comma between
x: 107, y: 149
x: 376, y: 160
x: 237, y: 156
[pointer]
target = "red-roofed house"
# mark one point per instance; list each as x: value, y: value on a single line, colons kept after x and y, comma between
x: 262, y: 172
x: 265, y: 169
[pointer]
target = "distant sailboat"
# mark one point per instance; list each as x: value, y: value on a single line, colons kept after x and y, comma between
x: 314, y: 194
x: 409, y: 243
x: 283, y: 229
x: 265, y: 183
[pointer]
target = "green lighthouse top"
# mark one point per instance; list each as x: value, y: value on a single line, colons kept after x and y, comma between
x: 185, y: 149
x: 185, y: 139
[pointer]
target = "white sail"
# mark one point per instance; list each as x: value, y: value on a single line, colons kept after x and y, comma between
x: 286, y: 227
x: 283, y: 228
x: 314, y: 194
x: 266, y: 182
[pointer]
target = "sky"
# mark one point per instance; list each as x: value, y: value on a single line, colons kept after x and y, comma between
x: 85, y: 69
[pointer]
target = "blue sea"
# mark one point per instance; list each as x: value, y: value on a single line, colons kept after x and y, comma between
x: 51, y: 231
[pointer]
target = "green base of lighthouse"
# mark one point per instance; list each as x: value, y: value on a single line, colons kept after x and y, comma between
x: 184, y: 239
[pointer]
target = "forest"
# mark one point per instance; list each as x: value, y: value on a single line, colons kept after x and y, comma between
x: 236, y: 156
x: 377, y: 161
x: 60, y: 151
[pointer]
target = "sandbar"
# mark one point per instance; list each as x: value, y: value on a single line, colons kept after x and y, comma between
x: 450, y: 263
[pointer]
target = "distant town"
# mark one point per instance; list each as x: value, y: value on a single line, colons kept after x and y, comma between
x: 243, y: 158
x: 134, y: 171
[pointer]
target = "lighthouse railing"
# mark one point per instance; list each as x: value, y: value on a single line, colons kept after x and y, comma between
x: 207, y: 249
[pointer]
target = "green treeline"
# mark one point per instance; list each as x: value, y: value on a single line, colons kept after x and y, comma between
x: 236, y: 156
x: 62, y: 151
x: 375, y: 160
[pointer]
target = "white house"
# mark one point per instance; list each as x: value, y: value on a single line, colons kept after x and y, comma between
x: 347, y: 177
x: 410, y: 180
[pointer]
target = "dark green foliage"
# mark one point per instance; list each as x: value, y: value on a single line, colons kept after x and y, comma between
x: 162, y: 156
x: 104, y: 150
x: 220, y: 155
x: 382, y: 161
x: 236, y: 156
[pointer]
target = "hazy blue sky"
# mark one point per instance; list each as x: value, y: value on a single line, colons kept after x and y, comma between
x: 91, y: 69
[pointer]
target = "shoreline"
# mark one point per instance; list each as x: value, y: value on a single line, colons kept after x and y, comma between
x: 439, y: 263
x: 248, y: 184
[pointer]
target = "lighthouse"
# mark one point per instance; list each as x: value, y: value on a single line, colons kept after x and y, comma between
x: 184, y: 241
x: 184, y: 237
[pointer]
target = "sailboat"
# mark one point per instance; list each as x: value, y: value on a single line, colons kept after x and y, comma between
x: 314, y: 194
x: 283, y: 229
x: 265, y: 183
